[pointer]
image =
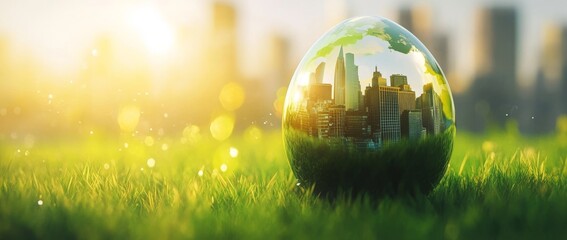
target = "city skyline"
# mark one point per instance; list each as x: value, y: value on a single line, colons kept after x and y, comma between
x: 389, y: 62
x: 380, y: 114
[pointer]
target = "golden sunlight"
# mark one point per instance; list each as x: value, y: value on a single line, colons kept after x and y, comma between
x: 153, y: 29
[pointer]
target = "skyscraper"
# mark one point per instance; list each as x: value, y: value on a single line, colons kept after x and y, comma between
x: 411, y: 124
x: 278, y: 69
x: 337, y: 121
x: 431, y: 109
x: 397, y: 80
x: 352, y: 89
x: 383, y: 113
x: 223, y: 52
x: 495, y: 83
x: 340, y: 79
x: 417, y: 20
x: 563, y: 84
x: 546, y: 97
x: 356, y: 125
x: 389, y: 114
x: 320, y: 92
x: 320, y: 72
x: 377, y: 79
x: 406, y: 99
x: 322, y: 120
x: 372, y: 105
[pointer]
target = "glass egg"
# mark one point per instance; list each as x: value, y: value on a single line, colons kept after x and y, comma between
x: 368, y: 111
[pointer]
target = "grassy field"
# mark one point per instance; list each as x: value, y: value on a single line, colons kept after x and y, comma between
x: 497, y: 186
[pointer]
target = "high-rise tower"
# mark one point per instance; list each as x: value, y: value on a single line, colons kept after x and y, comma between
x: 320, y: 72
x: 352, y: 88
x: 377, y: 79
x: 340, y: 75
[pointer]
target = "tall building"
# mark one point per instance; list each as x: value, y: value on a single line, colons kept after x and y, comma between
x: 352, y: 88
x: 411, y: 124
x: 322, y: 121
x: 549, y: 93
x: 320, y: 72
x: 389, y: 114
x: 383, y: 113
x: 372, y: 105
x: 417, y: 20
x: 397, y: 80
x: 278, y: 67
x: 356, y: 125
x: 337, y: 115
x: 340, y: 76
x: 497, y: 40
x: 223, y: 51
x: 496, y: 61
x: 406, y: 99
x: 563, y: 83
x: 377, y: 79
x: 320, y: 92
x: 304, y: 120
x: 431, y: 109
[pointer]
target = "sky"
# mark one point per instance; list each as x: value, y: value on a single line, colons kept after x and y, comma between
x: 67, y: 27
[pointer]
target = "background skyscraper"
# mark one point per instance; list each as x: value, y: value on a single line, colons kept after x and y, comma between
x: 563, y: 82
x: 352, y: 88
x: 493, y: 94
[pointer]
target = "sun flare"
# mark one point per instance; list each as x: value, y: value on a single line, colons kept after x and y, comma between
x: 155, y: 32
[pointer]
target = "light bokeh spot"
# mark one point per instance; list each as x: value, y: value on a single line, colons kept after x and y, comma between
x: 151, y: 163
x: 149, y: 141
x: 232, y: 96
x: 128, y: 118
x: 221, y: 127
x: 253, y: 133
x: 233, y: 152
x: 192, y: 133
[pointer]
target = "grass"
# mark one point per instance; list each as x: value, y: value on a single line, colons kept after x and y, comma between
x: 497, y: 186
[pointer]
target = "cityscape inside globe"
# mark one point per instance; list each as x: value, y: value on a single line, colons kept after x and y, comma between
x: 360, y: 89
x: 367, y: 117
x: 369, y: 109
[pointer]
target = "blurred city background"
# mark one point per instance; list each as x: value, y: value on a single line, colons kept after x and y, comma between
x: 191, y: 68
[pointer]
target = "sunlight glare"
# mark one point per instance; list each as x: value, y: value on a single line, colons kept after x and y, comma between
x: 153, y: 29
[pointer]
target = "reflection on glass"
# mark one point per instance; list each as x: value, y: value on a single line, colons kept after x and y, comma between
x: 369, y: 110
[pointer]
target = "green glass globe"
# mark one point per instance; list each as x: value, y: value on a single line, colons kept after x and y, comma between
x: 369, y: 110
